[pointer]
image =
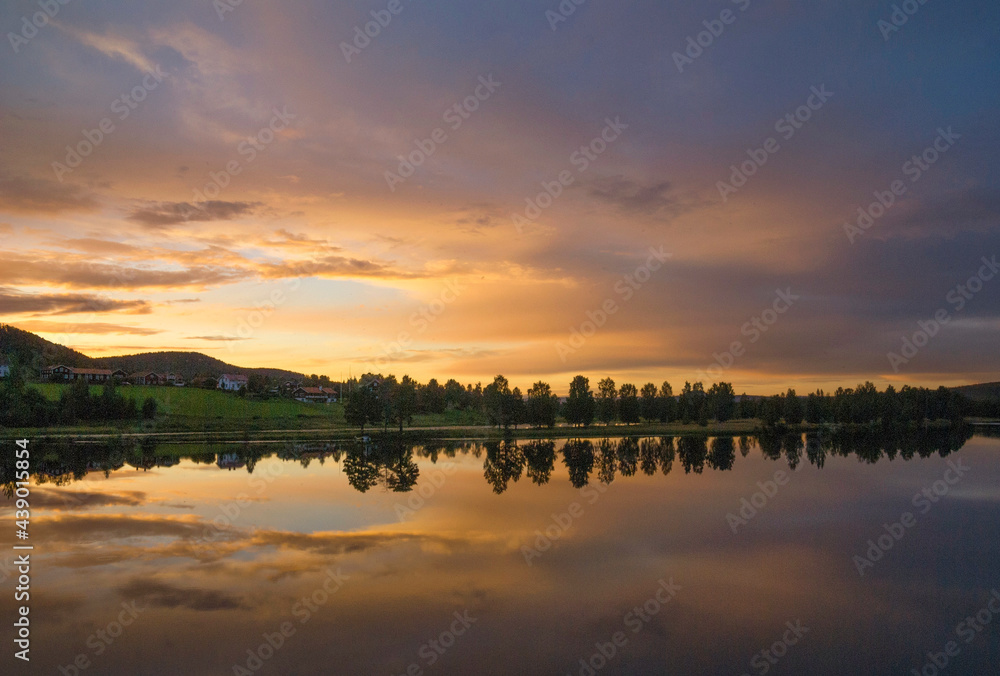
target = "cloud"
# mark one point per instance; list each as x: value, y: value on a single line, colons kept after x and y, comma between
x: 165, y: 595
x: 49, y: 270
x: 633, y: 196
x: 90, y: 327
x: 12, y: 302
x: 215, y: 338
x: 162, y: 214
x: 69, y: 499
x: 36, y: 195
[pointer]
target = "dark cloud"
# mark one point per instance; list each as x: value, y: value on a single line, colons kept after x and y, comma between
x: 633, y: 196
x: 33, y: 270
x: 36, y: 195
x: 12, y: 302
x: 162, y: 214
x: 85, y: 327
x: 65, y: 499
x: 165, y: 595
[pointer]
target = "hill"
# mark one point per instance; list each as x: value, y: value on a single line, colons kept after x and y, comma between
x: 34, y: 351
x: 980, y: 392
x: 188, y: 364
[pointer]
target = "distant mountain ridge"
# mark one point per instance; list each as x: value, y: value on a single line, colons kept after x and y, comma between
x: 29, y: 349
x: 980, y: 392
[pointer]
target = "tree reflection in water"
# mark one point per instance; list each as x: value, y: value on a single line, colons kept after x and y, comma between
x: 391, y: 464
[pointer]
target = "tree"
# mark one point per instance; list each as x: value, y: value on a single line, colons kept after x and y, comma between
x: 518, y: 409
x: 814, y: 407
x: 668, y: 405
x: 722, y: 401
x: 432, y: 397
x: 771, y: 410
x: 404, y: 401
x: 497, y: 402
x: 607, y: 395
x: 455, y: 396
x: 650, y: 406
x: 542, y: 405
x: 362, y: 407
x: 580, y: 402
x: 258, y: 385
x: 684, y: 404
x: 629, y: 409
x: 149, y: 407
x: 793, y: 408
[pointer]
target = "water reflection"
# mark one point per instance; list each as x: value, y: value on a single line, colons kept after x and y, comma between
x: 220, y: 543
x: 391, y: 462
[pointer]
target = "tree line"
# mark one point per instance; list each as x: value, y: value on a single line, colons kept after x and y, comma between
x: 374, y: 400
x: 23, y: 406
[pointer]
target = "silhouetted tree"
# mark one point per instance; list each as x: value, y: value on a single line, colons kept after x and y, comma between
x: 628, y: 404
x: 579, y: 408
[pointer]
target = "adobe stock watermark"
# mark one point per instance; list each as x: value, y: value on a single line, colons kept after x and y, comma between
x: 714, y: 28
x: 635, y: 620
x: 563, y: 11
x: 750, y: 508
x: 967, y: 631
x: 123, y: 106
x: 754, y: 329
x: 454, y: 117
x: 421, y: 320
x: 625, y: 288
x: 787, y: 126
x: 363, y: 36
x: 580, y: 159
x: 223, y: 7
x: 103, y: 638
x: 434, y: 649
x: 914, y: 169
x: 248, y: 325
x: 767, y: 658
x: 248, y: 149
x: 37, y: 21
x: 302, y: 610
x: 561, y: 523
x: 898, y: 18
x: 923, y: 501
x: 231, y: 511
x: 435, y: 480
x: 958, y: 297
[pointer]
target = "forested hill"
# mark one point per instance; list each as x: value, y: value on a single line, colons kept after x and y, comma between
x: 981, y: 392
x: 27, y: 349
x: 34, y: 351
x: 187, y: 364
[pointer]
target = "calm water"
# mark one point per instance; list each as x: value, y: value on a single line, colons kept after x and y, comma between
x: 515, y: 559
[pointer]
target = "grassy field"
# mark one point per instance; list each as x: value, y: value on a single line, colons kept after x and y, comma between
x: 183, y: 408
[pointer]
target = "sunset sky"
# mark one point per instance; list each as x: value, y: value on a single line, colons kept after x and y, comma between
x: 296, y: 250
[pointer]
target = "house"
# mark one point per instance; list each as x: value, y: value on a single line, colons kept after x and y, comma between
x: 229, y: 461
x: 153, y: 378
x: 59, y: 372
x: 92, y: 375
x: 318, y: 395
x: 66, y: 373
x: 4, y: 370
x: 144, y: 378
x: 119, y: 374
x: 232, y: 383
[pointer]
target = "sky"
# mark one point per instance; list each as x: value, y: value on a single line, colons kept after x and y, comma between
x: 641, y: 190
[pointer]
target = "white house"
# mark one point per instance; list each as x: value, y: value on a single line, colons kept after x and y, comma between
x: 232, y: 383
x: 4, y: 370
